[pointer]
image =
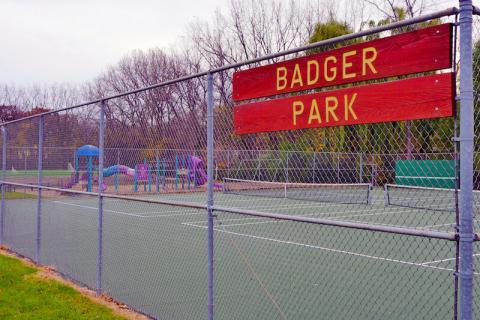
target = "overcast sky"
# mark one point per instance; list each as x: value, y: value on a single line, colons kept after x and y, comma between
x: 74, y: 40
x: 54, y: 41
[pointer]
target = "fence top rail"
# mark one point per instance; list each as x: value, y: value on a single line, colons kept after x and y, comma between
x: 398, y: 24
x: 346, y: 224
x: 112, y: 196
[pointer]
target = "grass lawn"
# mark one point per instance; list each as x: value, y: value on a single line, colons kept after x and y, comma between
x: 25, y: 295
x: 34, y: 173
x: 18, y: 195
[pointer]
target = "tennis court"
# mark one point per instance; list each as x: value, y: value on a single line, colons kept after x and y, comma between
x: 154, y: 255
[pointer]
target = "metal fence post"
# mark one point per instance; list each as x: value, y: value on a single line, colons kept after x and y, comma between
x: 466, y: 235
x: 116, y: 174
x: 25, y: 155
x: 338, y: 167
x: 39, y: 180
x: 210, y: 146
x: 409, y: 140
x: 258, y: 171
x: 314, y: 167
x: 361, y: 168
x: 100, y: 197
x: 228, y: 163
x: 287, y: 180
x: 4, y: 175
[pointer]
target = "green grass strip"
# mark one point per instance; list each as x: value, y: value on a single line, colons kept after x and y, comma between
x: 34, y: 173
x: 18, y: 195
x: 23, y: 295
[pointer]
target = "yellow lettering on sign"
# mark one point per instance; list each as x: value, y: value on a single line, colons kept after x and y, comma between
x: 312, y: 80
x: 314, y: 113
x: 297, y: 108
x: 331, y: 104
x: 330, y: 73
x: 349, y: 106
x: 297, y: 76
x: 346, y: 65
x: 368, y: 61
x: 281, y: 78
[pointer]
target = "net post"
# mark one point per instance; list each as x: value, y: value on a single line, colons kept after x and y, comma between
x: 39, y: 198
x: 100, y: 198
x: 4, y: 175
x: 210, y: 243
x: 385, y: 194
x: 369, y: 194
x: 466, y: 235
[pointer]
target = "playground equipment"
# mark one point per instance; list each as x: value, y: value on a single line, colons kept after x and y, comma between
x: 187, y: 170
x: 143, y: 173
x: 91, y: 153
x: 183, y: 168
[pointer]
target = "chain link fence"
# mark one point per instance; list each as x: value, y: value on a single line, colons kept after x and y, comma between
x: 149, y: 197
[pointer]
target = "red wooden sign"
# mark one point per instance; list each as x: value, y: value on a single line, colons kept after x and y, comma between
x: 413, y: 52
x: 408, y: 99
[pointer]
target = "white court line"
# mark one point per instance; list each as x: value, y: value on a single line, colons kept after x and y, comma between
x: 443, y: 260
x: 332, y: 218
x: 310, y: 204
x: 308, y: 214
x: 272, y: 199
x: 323, y: 248
x: 438, y: 225
x: 302, y: 205
x: 384, y: 224
x: 336, y: 218
x: 96, y: 208
x: 173, y: 213
x: 313, y: 214
x: 445, y: 224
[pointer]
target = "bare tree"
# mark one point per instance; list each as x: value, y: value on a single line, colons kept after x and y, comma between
x: 389, y: 8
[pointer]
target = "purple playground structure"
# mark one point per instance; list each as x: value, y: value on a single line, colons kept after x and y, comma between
x: 198, y: 173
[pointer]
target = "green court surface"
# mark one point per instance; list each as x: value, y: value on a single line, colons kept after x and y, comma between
x: 154, y: 257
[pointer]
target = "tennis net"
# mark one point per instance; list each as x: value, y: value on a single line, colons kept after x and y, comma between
x: 437, y: 199
x: 354, y: 193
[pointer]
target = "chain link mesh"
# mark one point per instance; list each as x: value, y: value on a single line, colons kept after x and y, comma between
x: 288, y: 270
x: 268, y: 263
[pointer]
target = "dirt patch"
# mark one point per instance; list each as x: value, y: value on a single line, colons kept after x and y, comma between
x: 49, y: 273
